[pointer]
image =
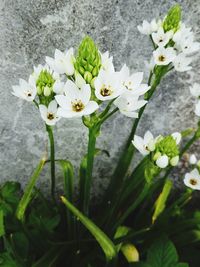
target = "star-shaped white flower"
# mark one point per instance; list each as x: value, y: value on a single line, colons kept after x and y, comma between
x: 164, y: 56
x: 49, y: 114
x: 195, y: 90
x: 76, y: 102
x: 107, y: 62
x: 144, y: 145
x: 133, y: 83
x: 189, y: 46
x: 162, y: 38
x: 148, y: 28
x: 107, y: 85
x: 192, y: 179
x: 183, y: 33
x: 63, y: 62
x: 129, y: 104
x: 25, y: 90
x: 181, y: 63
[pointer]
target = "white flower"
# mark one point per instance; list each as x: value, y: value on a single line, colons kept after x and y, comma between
x: 144, y: 145
x: 49, y: 115
x: 76, y: 102
x: 183, y: 33
x: 177, y: 137
x: 128, y: 104
x: 107, y: 62
x: 63, y: 62
x: 192, y: 179
x: 195, y: 90
x: 133, y: 83
x: 147, y: 28
x: 192, y: 159
x: 189, y: 47
x: 58, y: 87
x: 181, y: 63
x: 79, y: 81
x: 162, y: 162
x: 163, y: 56
x: 197, y: 108
x: 107, y: 85
x: 161, y: 38
x: 174, y: 161
x: 25, y: 90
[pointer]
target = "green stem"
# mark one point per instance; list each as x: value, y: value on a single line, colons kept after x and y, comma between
x: 52, y: 159
x: 89, y: 168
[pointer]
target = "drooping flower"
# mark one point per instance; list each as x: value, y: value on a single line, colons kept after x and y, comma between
x: 49, y: 114
x: 148, y: 28
x: 129, y: 104
x: 25, y: 90
x: 144, y: 145
x: 107, y: 62
x: 181, y: 63
x: 162, y: 38
x: 76, y: 102
x: 192, y: 179
x: 164, y: 56
x: 63, y: 62
x: 195, y: 90
x: 132, y: 83
x: 107, y: 85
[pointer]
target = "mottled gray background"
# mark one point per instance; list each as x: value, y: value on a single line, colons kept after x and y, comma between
x: 32, y: 29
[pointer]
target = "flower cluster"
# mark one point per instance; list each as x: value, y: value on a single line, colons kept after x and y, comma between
x: 74, y: 86
x: 163, y: 150
x: 173, y: 42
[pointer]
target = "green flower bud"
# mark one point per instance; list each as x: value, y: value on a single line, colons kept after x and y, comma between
x: 173, y: 18
x: 130, y: 252
x: 44, y: 81
x: 156, y: 156
x: 88, y: 77
x: 88, y: 59
x: 174, y: 161
x: 167, y: 146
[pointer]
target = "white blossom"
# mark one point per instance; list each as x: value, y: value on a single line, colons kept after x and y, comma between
x: 129, y: 104
x: 63, y: 62
x: 162, y: 38
x: 195, y: 90
x: 25, y: 90
x: 144, y: 145
x: 192, y: 179
x: 49, y: 114
x: 148, y: 28
x: 107, y: 62
x: 164, y: 56
x: 181, y: 63
x: 76, y: 102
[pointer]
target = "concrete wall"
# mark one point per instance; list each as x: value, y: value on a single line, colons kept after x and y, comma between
x: 32, y: 29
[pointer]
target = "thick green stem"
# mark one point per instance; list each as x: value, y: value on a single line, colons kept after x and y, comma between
x: 89, y: 168
x: 52, y: 159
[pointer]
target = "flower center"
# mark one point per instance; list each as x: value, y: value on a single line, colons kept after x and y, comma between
x: 29, y: 94
x: 161, y: 58
x: 106, y: 91
x: 193, y: 181
x: 128, y: 85
x: 77, y: 106
x: 50, y: 116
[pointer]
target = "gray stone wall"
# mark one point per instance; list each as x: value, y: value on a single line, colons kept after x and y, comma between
x: 32, y: 29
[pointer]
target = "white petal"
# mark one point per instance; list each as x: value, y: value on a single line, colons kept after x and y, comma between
x: 43, y: 112
x: 177, y: 137
x: 52, y: 108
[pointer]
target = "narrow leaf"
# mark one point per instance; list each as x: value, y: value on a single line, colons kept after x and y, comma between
x: 106, y: 244
x: 161, y: 201
x: 2, y: 230
x: 28, y: 191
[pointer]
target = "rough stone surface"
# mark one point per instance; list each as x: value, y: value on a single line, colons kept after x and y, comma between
x: 32, y: 29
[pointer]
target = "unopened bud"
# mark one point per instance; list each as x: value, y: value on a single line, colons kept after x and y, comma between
x: 130, y: 252
x: 47, y: 91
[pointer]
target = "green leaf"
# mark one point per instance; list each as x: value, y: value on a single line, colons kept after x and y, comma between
x: 161, y: 201
x: 181, y: 265
x: 49, y: 259
x: 106, y: 244
x: 2, y: 230
x: 7, y: 261
x: 162, y: 253
x: 28, y: 191
x: 141, y: 264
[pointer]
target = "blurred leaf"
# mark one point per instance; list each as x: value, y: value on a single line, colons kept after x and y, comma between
x: 7, y: 261
x: 26, y: 198
x: 161, y: 201
x: 2, y: 230
x: 20, y: 245
x: 106, y: 244
x: 162, y: 253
